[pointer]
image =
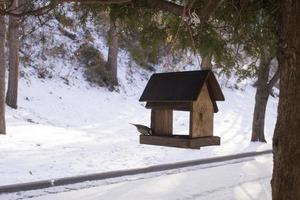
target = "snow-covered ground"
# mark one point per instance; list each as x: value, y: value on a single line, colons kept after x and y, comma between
x: 62, y: 130
x: 65, y: 127
x: 245, y: 179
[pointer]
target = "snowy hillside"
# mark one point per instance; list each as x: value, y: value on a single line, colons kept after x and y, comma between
x: 65, y: 126
x: 71, y: 129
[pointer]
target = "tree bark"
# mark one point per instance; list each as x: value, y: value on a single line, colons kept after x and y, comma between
x: 112, y: 60
x: 273, y: 80
x: 206, y: 62
x: 261, y: 99
x: 2, y: 72
x: 286, y: 140
x: 13, y: 59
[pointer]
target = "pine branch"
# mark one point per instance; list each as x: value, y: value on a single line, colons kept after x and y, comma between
x: 164, y: 5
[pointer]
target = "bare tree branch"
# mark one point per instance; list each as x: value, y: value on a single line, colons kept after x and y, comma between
x: 166, y: 6
x: 99, y: 1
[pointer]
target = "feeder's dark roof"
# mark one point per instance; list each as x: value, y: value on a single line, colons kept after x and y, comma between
x: 181, y: 86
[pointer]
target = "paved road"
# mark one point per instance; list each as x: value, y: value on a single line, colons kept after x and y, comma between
x: 247, y: 180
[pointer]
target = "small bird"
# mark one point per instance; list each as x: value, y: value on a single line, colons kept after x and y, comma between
x: 143, y: 129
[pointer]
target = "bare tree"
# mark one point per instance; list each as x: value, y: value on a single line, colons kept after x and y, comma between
x: 261, y: 97
x: 13, y: 58
x: 2, y: 71
x: 112, y: 61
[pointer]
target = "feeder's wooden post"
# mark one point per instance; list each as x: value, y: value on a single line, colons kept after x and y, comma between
x: 162, y: 122
x: 202, y: 115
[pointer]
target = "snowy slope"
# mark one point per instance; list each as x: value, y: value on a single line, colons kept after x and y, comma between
x: 64, y: 130
x: 64, y: 126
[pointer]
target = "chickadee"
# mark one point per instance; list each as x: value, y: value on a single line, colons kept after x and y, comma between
x: 143, y: 129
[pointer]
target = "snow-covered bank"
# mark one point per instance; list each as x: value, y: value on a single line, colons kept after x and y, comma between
x: 247, y: 179
x: 71, y: 129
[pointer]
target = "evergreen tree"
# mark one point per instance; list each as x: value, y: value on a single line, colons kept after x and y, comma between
x: 251, y: 30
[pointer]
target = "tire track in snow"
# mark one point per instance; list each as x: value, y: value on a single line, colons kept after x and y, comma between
x: 220, y: 189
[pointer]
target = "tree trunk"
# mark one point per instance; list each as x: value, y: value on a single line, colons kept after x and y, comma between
x: 286, y: 141
x: 261, y: 99
x: 206, y: 62
x: 2, y: 72
x: 112, y: 60
x: 13, y: 59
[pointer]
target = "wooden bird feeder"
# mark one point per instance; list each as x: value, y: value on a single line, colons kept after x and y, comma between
x: 192, y: 91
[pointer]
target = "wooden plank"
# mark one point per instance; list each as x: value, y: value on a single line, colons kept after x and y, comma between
x: 180, y: 141
x: 201, y: 117
x: 161, y: 122
x: 164, y: 141
x: 181, y: 106
x: 205, y: 141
